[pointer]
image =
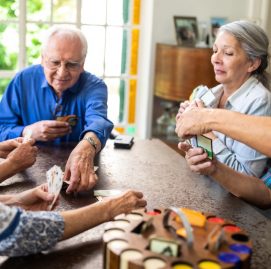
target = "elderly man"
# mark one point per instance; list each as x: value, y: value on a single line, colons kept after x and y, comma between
x: 59, y: 101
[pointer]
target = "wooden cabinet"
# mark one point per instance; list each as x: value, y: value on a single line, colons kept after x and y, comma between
x: 178, y: 70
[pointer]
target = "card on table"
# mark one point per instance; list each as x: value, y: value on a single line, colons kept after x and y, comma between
x: 100, y: 194
x: 124, y: 141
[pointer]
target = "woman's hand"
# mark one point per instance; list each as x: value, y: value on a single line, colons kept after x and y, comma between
x: 197, y: 159
x: 34, y: 199
x: 22, y: 156
x: 126, y: 202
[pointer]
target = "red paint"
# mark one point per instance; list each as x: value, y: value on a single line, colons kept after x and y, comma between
x: 153, y: 213
x: 216, y: 220
x: 231, y: 228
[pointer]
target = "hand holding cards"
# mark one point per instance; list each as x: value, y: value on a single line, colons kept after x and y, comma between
x: 54, y: 180
x: 71, y: 119
x: 201, y: 141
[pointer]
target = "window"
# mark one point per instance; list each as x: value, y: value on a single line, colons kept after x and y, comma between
x: 112, y: 28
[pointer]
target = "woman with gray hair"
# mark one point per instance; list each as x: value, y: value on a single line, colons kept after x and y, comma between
x: 255, y: 43
x: 240, y: 59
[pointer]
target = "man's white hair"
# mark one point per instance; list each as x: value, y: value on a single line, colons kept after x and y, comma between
x: 71, y: 33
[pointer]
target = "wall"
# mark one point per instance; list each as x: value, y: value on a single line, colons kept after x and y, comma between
x: 164, y: 10
x: 158, y: 26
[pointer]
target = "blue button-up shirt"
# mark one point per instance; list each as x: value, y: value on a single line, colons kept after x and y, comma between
x: 29, y: 99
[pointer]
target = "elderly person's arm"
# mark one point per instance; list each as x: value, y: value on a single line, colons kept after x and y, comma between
x: 23, y: 233
x: 251, y: 130
x: 18, y: 156
x: 248, y: 188
x: 79, y: 168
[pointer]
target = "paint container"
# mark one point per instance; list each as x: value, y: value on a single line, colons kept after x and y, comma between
x: 129, y: 255
x: 134, y: 216
x: 209, y: 265
x: 113, y: 250
x: 154, y: 263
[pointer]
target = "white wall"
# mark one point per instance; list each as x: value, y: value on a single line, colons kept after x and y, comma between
x: 164, y: 10
x: 158, y: 26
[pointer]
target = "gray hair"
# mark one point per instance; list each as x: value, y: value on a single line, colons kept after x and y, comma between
x: 255, y: 43
x: 71, y: 33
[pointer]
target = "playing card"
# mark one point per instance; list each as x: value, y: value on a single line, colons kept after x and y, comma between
x: 100, y: 194
x: 205, y: 143
x: 107, y: 193
x: 208, y: 98
x: 27, y: 136
x: 54, y: 181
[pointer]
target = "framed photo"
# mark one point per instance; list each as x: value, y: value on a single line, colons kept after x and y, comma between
x: 186, y: 29
x: 216, y: 22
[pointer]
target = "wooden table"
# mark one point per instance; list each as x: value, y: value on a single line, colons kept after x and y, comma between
x: 162, y: 174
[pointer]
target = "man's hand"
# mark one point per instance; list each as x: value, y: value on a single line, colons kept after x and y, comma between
x: 197, y: 159
x: 22, y: 157
x: 34, y: 199
x: 48, y: 130
x: 79, y: 170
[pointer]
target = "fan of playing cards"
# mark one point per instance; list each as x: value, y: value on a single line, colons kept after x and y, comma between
x: 54, y: 180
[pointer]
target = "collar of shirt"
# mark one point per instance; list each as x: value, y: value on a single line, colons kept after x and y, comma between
x: 236, y: 100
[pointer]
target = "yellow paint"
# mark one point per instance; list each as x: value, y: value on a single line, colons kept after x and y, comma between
x: 181, y: 232
x: 136, y: 15
x: 134, y: 51
x: 194, y: 217
x: 209, y: 265
x: 182, y: 266
x: 121, y: 130
x: 132, y: 101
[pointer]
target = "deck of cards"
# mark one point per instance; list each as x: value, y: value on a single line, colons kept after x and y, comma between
x: 54, y: 180
x: 201, y: 141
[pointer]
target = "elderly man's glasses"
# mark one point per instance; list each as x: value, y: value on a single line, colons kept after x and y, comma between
x: 70, y: 65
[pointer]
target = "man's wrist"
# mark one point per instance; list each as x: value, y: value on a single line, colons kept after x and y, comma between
x: 92, y: 142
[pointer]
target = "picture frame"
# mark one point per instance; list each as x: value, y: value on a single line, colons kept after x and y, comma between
x: 186, y: 29
x: 216, y: 22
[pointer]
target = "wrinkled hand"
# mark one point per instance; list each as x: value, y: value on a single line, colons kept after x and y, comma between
x: 79, y: 170
x: 9, y: 145
x: 126, y: 202
x: 34, y: 199
x: 23, y: 156
x: 197, y: 159
x: 192, y: 122
x: 183, y: 106
x: 48, y: 130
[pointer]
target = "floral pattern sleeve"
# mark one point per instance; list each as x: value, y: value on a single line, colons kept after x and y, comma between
x: 23, y: 233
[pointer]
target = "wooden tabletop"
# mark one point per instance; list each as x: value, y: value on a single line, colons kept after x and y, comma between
x: 162, y: 174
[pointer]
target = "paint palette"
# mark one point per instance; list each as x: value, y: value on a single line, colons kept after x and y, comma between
x: 177, y: 238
